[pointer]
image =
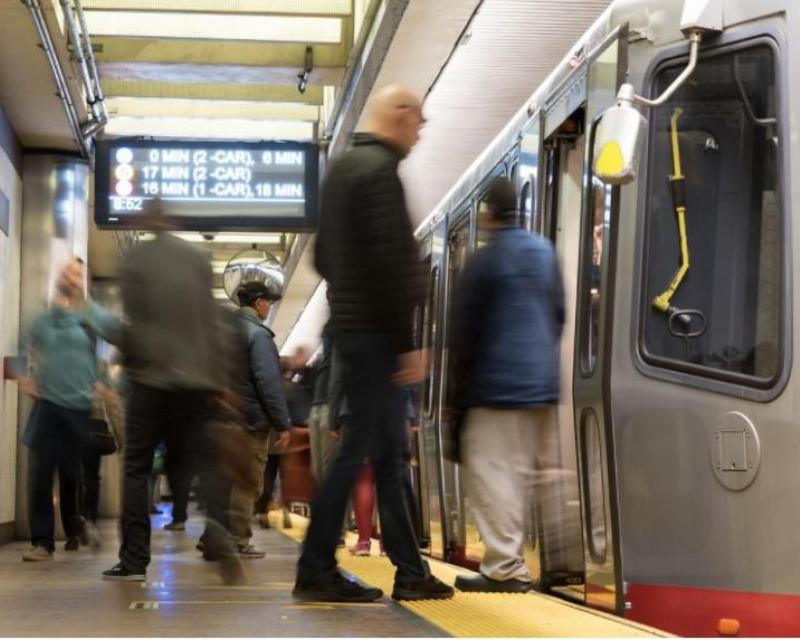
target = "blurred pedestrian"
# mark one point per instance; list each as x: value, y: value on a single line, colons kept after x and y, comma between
x: 265, y: 409
x: 323, y: 442
x: 365, y: 249
x: 507, y: 318
x: 172, y: 355
x: 63, y: 356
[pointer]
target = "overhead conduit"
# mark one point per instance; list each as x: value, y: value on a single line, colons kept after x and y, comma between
x: 82, y: 49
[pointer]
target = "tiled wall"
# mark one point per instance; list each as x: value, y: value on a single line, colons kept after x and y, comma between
x: 11, y: 186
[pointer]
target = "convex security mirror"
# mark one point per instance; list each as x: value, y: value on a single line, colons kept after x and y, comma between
x: 253, y: 265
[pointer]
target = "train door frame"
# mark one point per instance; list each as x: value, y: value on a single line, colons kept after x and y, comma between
x: 429, y: 434
x: 557, y: 519
x: 533, y: 128
x: 591, y: 386
x: 452, y: 515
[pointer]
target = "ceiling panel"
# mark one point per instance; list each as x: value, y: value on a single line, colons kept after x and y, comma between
x: 255, y: 54
x: 211, y: 91
x: 214, y: 26
x: 507, y: 51
x: 294, y: 7
x: 163, y: 107
x: 190, y: 73
x: 211, y: 128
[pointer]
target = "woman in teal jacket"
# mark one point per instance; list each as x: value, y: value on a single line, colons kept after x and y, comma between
x: 63, y: 343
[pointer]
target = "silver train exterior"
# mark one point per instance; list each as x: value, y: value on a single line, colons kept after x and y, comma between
x: 668, y: 490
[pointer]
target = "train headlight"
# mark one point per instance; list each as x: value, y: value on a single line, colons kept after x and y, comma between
x: 618, y: 140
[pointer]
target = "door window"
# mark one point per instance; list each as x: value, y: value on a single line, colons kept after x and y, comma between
x: 713, y: 307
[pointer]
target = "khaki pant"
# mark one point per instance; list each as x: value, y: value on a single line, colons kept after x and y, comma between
x: 243, y: 499
x: 499, y: 452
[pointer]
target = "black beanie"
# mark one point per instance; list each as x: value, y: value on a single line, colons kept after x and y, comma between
x: 502, y: 199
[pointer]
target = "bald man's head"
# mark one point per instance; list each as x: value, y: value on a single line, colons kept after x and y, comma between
x: 394, y: 115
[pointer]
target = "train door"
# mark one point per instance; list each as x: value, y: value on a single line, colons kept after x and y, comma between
x: 557, y: 494
x: 428, y: 441
x: 445, y: 520
x: 592, y: 346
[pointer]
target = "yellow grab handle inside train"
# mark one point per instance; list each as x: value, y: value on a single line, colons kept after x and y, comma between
x: 677, y: 182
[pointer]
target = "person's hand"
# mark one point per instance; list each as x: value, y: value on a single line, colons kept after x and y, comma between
x: 282, y: 441
x: 28, y: 386
x: 412, y: 367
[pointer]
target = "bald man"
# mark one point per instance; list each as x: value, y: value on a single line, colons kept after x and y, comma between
x: 366, y: 251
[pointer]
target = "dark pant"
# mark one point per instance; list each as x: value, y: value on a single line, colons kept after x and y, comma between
x: 60, y: 435
x: 180, y: 485
x: 377, y: 432
x: 271, y: 470
x: 91, y: 483
x: 183, y: 418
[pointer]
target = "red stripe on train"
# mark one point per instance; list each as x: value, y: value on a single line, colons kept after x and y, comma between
x: 696, y: 612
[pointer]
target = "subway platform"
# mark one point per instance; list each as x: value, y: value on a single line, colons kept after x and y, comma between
x: 184, y: 596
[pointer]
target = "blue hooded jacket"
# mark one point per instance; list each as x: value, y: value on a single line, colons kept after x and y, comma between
x: 507, y: 316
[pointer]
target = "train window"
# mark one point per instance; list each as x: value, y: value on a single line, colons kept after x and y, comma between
x: 712, y: 270
x: 594, y: 494
x: 429, y: 323
x: 598, y: 233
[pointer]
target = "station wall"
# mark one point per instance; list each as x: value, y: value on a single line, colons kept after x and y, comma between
x: 10, y: 236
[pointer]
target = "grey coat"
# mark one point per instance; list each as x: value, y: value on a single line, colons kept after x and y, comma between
x: 172, y: 341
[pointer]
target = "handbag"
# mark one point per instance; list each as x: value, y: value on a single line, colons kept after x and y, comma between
x: 100, y: 437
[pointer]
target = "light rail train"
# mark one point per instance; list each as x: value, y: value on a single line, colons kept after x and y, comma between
x: 668, y: 490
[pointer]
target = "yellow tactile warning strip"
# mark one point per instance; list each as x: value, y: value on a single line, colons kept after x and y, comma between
x: 486, y: 614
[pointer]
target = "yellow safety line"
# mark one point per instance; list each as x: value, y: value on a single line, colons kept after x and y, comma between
x: 488, y: 614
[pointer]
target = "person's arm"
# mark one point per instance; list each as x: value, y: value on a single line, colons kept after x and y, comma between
x: 104, y: 324
x: 265, y: 365
x: 335, y: 391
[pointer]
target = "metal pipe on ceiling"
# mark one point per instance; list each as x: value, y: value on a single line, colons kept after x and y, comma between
x: 92, y: 61
x: 58, y: 75
x: 82, y: 49
x: 77, y: 51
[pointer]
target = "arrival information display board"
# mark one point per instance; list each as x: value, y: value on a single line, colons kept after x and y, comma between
x: 208, y: 185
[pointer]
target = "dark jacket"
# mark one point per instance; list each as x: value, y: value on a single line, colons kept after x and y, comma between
x: 365, y: 246
x: 261, y: 384
x: 171, y: 341
x: 507, y: 319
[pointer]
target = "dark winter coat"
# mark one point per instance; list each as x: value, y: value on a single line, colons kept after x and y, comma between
x: 365, y: 246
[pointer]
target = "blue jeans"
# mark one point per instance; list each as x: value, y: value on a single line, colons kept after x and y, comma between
x: 376, y: 431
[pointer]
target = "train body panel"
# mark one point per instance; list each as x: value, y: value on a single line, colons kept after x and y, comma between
x: 693, y: 463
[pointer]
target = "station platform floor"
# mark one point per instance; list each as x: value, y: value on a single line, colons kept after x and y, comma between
x: 184, y: 596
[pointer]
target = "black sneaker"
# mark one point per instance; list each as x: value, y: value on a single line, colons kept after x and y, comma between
x: 175, y: 525
x: 118, y: 573
x: 72, y: 544
x: 483, y: 584
x: 337, y: 588
x: 430, y: 588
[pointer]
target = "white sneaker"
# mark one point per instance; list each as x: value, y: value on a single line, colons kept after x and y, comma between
x: 37, y: 554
